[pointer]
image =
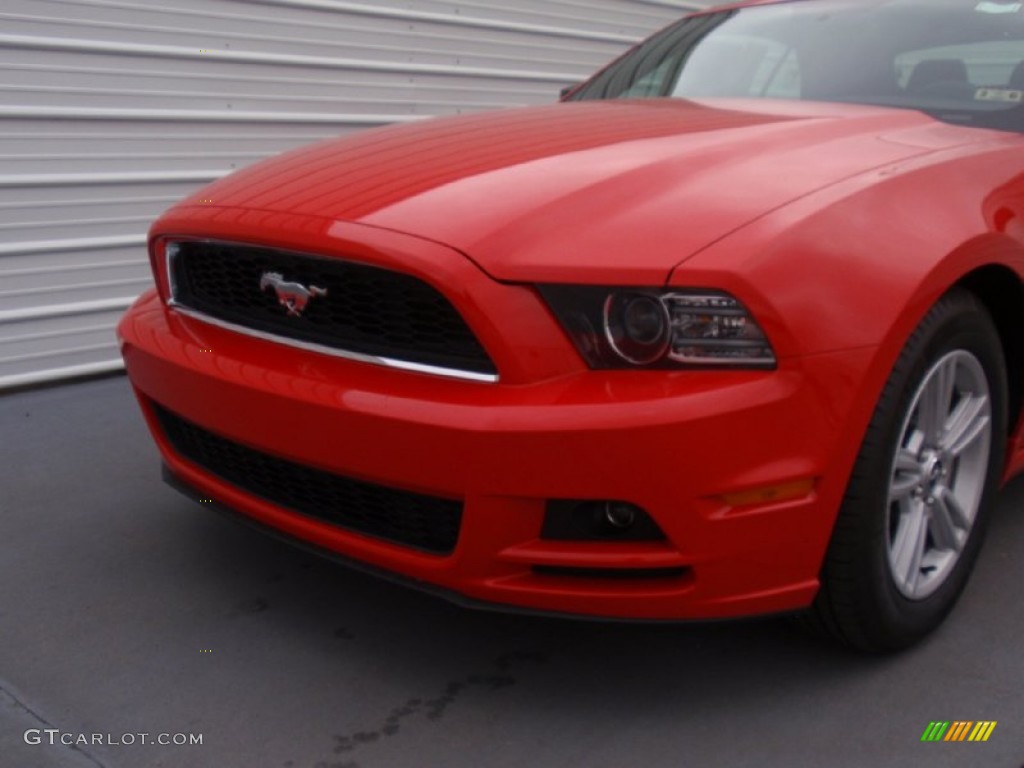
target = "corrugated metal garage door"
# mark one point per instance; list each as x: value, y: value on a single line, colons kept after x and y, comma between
x: 110, y: 110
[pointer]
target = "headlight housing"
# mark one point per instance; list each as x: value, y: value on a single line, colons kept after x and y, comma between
x: 659, y: 328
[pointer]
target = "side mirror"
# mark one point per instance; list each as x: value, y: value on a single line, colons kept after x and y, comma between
x: 567, y: 90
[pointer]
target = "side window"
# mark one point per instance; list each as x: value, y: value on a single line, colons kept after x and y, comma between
x: 741, y: 66
x: 653, y: 83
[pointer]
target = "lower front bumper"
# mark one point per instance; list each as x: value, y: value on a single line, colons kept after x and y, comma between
x: 679, y: 445
x: 445, y: 594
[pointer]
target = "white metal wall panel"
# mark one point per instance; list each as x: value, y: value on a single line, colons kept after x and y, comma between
x: 110, y: 110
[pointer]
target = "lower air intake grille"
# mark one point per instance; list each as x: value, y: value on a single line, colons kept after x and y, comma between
x: 411, y: 519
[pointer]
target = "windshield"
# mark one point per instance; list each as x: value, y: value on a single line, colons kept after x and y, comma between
x: 961, y: 61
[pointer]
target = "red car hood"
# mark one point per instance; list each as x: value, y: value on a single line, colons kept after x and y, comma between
x: 597, y: 188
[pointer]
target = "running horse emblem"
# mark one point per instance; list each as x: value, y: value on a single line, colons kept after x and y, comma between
x: 292, y: 296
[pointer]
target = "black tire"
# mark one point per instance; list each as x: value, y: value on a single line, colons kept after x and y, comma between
x: 868, y: 599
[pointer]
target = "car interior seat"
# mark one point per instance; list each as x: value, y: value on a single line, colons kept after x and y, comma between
x: 1017, y: 78
x: 933, y: 74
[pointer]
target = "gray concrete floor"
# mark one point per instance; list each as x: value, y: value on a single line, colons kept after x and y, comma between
x: 125, y: 608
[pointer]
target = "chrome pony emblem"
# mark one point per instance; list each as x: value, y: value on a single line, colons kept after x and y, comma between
x: 292, y: 296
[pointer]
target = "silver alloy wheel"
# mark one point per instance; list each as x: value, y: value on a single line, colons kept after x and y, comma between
x: 938, y: 474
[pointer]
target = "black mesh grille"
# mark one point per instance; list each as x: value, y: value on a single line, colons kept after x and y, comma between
x: 411, y: 519
x: 364, y: 309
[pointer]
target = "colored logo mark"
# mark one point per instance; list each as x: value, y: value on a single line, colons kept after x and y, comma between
x: 959, y: 730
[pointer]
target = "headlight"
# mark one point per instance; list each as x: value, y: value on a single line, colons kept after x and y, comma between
x: 637, y: 326
x: 660, y: 328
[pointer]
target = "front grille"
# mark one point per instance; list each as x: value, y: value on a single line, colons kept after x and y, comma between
x: 365, y: 310
x: 411, y: 519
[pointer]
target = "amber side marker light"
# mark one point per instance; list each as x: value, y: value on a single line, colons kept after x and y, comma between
x: 771, y: 494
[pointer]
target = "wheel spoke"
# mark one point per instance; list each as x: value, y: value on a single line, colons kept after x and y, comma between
x: 936, y: 400
x: 966, y: 424
x: 904, y: 485
x: 942, y: 526
x: 914, y: 444
x: 907, y: 475
x: 908, y: 548
x: 955, y: 509
x: 907, y: 462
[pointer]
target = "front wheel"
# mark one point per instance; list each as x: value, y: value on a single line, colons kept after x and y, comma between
x: 917, y: 503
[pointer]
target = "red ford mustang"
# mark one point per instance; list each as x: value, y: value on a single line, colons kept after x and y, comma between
x: 737, y: 328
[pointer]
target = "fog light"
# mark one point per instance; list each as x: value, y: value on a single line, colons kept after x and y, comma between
x: 605, y: 520
x: 619, y: 515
